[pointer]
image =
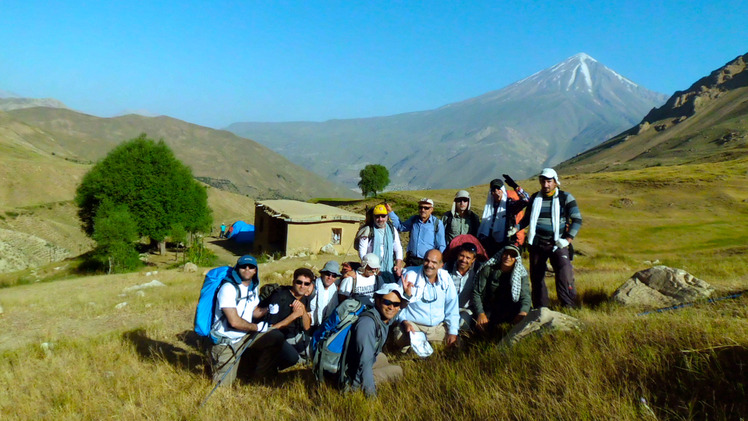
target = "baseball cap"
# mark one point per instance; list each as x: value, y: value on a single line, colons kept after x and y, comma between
x: 426, y: 200
x: 247, y: 260
x: 550, y: 173
x: 511, y: 249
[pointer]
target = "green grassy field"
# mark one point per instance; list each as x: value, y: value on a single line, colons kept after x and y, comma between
x: 139, y: 362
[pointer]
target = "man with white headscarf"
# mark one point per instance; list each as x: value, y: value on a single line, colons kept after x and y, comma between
x: 500, y: 214
x: 553, y: 220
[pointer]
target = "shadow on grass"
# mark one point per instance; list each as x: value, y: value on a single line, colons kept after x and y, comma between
x: 153, y: 350
x: 231, y: 246
x: 594, y: 298
x: 709, y: 383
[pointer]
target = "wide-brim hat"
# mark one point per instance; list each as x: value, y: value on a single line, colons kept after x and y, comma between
x: 332, y: 267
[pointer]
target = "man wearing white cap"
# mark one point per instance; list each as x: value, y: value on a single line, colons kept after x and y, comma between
x: 460, y: 220
x: 367, y: 365
x: 426, y: 231
x: 553, y: 220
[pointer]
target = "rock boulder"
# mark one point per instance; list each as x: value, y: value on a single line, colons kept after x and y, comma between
x: 662, y: 286
x: 540, y: 322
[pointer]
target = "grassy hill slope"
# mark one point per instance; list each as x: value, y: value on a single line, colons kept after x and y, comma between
x: 216, y: 157
x: 684, y: 364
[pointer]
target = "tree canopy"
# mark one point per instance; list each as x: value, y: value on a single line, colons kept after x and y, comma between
x: 374, y: 178
x: 157, y: 190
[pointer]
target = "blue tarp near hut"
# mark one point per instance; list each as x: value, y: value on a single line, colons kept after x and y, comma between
x: 242, y: 232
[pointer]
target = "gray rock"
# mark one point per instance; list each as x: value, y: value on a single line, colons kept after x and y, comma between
x: 190, y: 267
x: 153, y: 284
x: 329, y: 249
x: 540, y: 322
x: 661, y: 286
x: 121, y: 305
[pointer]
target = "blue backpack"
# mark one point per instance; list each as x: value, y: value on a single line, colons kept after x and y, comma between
x: 330, y: 341
x: 207, y: 302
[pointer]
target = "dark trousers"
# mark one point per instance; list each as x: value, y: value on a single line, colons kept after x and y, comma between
x: 259, y: 360
x: 539, y: 255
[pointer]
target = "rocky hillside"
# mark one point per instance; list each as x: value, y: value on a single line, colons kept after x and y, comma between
x: 705, y: 123
x: 540, y: 120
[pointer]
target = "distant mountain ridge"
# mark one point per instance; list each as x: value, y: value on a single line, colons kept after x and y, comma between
x: 705, y: 123
x: 8, y: 103
x: 217, y: 157
x: 538, y: 121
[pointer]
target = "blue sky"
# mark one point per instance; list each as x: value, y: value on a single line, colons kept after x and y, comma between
x: 218, y: 62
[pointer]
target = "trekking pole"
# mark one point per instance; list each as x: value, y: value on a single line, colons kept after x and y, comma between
x: 231, y: 367
x: 679, y: 306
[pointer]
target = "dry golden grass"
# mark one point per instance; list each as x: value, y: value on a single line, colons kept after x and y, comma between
x: 139, y: 361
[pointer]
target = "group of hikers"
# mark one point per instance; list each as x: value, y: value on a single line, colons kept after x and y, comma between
x: 461, y: 273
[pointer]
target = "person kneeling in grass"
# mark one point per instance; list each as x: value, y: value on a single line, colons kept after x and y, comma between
x: 367, y: 365
x: 502, y: 290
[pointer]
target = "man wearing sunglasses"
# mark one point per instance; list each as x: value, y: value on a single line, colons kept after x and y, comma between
x: 434, y: 305
x: 367, y: 365
x: 237, y: 315
x: 426, y: 231
x: 460, y: 220
x: 288, y: 310
x: 325, y: 297
x: 502, y: 212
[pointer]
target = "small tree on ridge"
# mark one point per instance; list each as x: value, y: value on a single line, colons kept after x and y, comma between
x: 374, y: 178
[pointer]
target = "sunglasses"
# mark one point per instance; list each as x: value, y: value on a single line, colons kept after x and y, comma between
x: 391, y: 303
x: 330, y: 274
x: 380, y: 216
x: 300, y: 282
x: 461, y: 200
x: 247, y: 266
x: 424, y: 207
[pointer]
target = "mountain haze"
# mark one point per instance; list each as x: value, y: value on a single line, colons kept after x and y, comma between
x: 707, y: 122
x: 538, y: 121
x: 217, y: 157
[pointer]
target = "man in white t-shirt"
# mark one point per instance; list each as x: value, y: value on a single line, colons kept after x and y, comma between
x: 325, y: 298
x: 362, y: 284
x: 234, y: 318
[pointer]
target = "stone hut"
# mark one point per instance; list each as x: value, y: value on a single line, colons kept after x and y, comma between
x: 291, y: 227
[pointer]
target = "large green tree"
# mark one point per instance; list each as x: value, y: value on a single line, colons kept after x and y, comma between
x: 374, y: 178
x: 158, y: 191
